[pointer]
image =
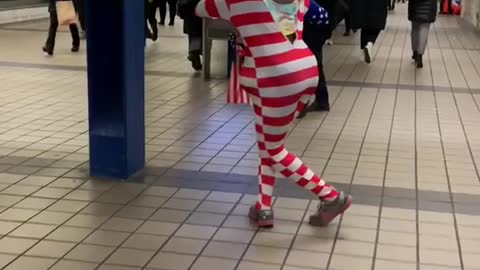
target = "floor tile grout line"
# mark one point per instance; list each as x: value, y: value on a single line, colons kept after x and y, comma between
x: 417, y: 201
x: 56, y: 225
x: 106, y: 220
x: 472, y: 156
x: 290, y: 247
x: 385, y: 169
x: 455, y: 223
x: 230, y: 213
x: 143, y: 223
x: 56, y: 200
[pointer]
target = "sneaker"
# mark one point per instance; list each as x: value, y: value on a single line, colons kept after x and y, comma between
x: 171, y: 23
x: 346, y: 34
x: 196, y: 61
x: 263, y: 218
x: 367, y: 52
x: 162, y: 22
x: 329, y: 42
x: 327, y: 211
x: 75, y: 49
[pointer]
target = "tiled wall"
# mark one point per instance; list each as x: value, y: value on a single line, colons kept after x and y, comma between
x: 17, y: 15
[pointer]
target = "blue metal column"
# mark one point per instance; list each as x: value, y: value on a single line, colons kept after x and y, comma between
x: 115, y: 44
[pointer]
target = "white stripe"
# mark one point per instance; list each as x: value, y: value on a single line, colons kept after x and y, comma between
x: 288, y: 90
x: 280, y: 156
x: 276, y: 130
x: 267, y: 170
x: 271, y: 49
x: 222, y: 9
x: 279, y: 112
x: 295, y: 165
x: 248, y: 82
x: 246, y: 7
x: 286, y: 68
x: 325, y: 191
x: 257, y: 29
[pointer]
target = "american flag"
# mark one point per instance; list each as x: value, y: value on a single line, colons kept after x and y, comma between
x: 235, y: 94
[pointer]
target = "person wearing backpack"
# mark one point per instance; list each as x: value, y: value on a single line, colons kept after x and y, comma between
x: 421, y: 13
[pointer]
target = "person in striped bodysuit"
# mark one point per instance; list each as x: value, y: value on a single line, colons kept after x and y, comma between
x: 280, y: 75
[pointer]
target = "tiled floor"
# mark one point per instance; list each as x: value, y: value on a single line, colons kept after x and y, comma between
x: 405, y: 142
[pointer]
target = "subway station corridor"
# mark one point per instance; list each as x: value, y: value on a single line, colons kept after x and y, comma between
x: 404, y: 141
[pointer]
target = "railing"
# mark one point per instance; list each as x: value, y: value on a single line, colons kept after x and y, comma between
x: 212, y: 30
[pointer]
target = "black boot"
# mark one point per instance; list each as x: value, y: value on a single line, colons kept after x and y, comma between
x: 47, y: 50
x: 419, y: 61
x: 196, y: 61
x: 414, y: 55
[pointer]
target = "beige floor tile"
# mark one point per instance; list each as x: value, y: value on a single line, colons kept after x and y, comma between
x: 438, y: 257
x: 158, y: 228
x: 170, y: 261
x: 89, y: 253
x: 52, y: 249
x: 397, y: 253
x: 265, y: 254
x: 279, y: 240
x: 307, y: 259
x: 184, y: 245
x: 206, y: 263
x: 26, y: 263
x: 144, y: 241
x: 11, y: 245
x: 234, y: 235
x: 394, y: 265
x: 73, y: 265
x: 343, y: 262
x: 224, y: 250
x: 130, y: 257
x: 196, y: 231
x: 245, y: 265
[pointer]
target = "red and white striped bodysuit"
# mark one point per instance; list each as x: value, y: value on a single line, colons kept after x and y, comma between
x: 281, y: 77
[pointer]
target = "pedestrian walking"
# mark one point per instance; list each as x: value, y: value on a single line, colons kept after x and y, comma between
x: 49, y: 46
x: 371, y: 17
x: 280, y: 74
x: 162, y: 8
x: 421, y: 13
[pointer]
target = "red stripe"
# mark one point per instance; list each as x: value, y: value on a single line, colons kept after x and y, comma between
x: 265, y: 39
x: 248, y: 72
x: 278, y: 121
x: 289, y: 79
x: 281, y: 102
x: 211, y: 9
x: 251, y: 19
x: 282, y: 58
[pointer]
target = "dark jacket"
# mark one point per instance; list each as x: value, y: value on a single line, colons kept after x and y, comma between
x: 422, y: 10
x: 370, y: 14
x: 192, y: 25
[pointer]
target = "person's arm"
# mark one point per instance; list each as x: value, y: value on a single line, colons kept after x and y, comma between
x: 216, y: 9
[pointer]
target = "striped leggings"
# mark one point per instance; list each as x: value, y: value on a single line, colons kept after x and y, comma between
x: 272, y: 127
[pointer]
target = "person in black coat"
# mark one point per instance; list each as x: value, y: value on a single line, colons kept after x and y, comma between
x: 421, y: 13
x: 150, y: 10
x: 371, y: 17
x: 52, y: 32
x: 193, y: 27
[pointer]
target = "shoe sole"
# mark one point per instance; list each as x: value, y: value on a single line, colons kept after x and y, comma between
x: 368, y: 58
x: 252, y: 214
x: 324, y: 220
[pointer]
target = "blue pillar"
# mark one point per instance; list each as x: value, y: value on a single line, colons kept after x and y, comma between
x: 115, y: 44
